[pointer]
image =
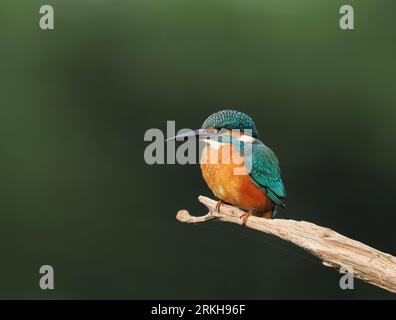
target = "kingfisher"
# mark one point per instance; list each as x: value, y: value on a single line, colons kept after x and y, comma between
x: 239, y: 169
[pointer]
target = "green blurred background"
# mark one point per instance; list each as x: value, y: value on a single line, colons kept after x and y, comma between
x: 76, y: 102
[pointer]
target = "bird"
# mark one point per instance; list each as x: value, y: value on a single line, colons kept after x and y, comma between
x: 237, y: 166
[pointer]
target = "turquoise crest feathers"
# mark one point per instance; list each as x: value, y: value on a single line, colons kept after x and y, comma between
x: 231, y: 119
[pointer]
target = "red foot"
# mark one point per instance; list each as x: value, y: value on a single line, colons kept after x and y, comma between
x: 245, y: 217
x: 218, y: 205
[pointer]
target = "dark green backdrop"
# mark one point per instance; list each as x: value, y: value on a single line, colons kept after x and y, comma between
x: 75, y: 103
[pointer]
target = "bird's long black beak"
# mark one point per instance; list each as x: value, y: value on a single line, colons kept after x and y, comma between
x: 200, y: 133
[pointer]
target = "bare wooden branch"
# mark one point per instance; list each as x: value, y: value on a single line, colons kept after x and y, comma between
x: 334, y: 249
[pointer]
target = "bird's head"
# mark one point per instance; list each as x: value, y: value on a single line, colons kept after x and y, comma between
x: 230, y: 120
x: 225, y: 125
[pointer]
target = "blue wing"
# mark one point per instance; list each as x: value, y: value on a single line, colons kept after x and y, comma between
x: 265, y: 172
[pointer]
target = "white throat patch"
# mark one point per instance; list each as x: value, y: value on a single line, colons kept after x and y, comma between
x: 246, y: 138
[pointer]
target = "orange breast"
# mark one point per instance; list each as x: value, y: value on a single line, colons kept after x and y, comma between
x: 226, y: 176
